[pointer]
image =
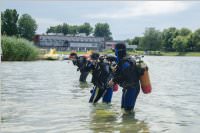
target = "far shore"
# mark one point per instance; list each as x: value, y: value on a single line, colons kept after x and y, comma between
x: 152, y: 53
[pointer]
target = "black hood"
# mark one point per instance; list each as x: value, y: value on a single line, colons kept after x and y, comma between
x: 120, y: 50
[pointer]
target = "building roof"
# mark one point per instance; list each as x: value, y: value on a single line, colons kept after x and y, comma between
x: 72, y: 38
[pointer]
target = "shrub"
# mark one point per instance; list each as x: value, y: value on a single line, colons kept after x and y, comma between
x: 18, y: 49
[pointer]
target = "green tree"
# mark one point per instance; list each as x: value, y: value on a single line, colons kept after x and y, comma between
x: 190, y: 45
x: 9, y: 20
x: 136, y: 41
x: 167, y: 38
x: 56, y: 29
x: 65, y: 28
x: 73, y: 29
x: 180, y: 43
x: 196, y: 40
x: 85, y: 28
x: 59, y: 29
x: 187, y: 34
x: 129, y: 41
x: 141, y: 44
x: 102, y: 30
x: 151, y: 40
x: 184, y: 32
x: 52, y: 29
x: 27, y: 26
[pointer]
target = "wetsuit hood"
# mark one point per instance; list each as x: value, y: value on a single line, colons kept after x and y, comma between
x: 94, y: 56
x: 120, y: 51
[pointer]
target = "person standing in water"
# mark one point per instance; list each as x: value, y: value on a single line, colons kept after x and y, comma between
x: 101, y: 74
x: 127, y: 76
x: 80, y: 62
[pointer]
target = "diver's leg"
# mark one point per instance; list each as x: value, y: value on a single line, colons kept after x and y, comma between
x: 123, y: 98
x: 107, y: 95
x: 130, y: 97
x: 93, y: 91
x: 83, y: 76
x: 97, y: 94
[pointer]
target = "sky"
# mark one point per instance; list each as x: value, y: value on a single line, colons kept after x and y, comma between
x: 127, y: 19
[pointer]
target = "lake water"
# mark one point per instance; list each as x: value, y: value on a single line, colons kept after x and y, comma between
x: 46, y: 97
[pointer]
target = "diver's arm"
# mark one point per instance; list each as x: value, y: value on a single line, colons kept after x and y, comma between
x: 89, y: 66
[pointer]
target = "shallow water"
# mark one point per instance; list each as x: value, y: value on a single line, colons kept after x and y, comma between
x: 46, y: 97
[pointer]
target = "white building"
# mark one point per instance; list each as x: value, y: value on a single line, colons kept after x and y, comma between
x: 63, y: 43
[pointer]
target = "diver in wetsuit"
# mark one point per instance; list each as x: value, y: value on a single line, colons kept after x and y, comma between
x: 80, y: 62
x: 127, y: 76
x: 101, y: 74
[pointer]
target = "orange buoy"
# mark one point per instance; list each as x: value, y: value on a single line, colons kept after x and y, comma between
x: 145, y: 79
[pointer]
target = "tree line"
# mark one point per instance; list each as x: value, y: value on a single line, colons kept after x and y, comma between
x: 13, y: 25
x: 25, y: 26
x: 170, y: 39
x: 100, y: 29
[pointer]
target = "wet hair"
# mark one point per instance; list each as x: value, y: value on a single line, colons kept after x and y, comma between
x: 101, y: 58
x: 94, y: 56
x: 111, y: 58
x: 73, y: 54
x: 120, y: 50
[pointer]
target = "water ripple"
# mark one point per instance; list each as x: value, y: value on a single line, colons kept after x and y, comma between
x: 45, y: 96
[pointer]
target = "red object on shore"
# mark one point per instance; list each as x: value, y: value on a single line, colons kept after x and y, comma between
x: 115, y: 87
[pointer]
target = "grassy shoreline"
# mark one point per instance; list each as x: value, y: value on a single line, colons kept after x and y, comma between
x: 162, y: 53
x: 181, y: 54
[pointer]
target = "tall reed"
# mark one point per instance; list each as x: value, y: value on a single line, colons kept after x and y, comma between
x: 18, y: 49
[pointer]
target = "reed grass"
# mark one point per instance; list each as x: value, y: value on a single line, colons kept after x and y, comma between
x: 18, y: 49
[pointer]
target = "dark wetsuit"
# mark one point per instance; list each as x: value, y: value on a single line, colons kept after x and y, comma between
x: 81, y: 63
x: 127, y: 76
x: 101, y: 74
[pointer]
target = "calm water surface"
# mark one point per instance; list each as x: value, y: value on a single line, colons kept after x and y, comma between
x: 46, y: 97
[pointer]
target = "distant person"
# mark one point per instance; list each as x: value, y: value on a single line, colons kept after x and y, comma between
x: 80, y: 62
x: 127, y: 76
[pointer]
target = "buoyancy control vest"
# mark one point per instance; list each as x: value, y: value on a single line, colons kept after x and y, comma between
x: 101, y: 75
x: 80, y: 62
x: 128, y: 72
x: 136, y: 73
